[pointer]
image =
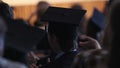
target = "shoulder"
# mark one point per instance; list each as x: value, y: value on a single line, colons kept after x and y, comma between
x: 65, y: 61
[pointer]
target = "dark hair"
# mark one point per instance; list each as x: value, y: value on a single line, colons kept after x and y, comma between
x: 107, y: 37
x: 114, y: 20
x: 77, y: 6
x: 5, y: 10
x: 41, y: 8
x: 67, y: 34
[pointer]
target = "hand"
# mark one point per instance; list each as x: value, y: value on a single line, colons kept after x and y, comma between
x: 33, y: 66
x: 89, y: 43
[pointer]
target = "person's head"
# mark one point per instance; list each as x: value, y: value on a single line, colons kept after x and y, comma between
x: 62, y: 36
x: 91, y: 59
x: 5, y: 10
x: 2, y: 35
x: 41, y: 8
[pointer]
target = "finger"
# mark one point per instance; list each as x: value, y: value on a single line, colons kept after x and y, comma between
x: 88, y: 38
x: 83, y: 43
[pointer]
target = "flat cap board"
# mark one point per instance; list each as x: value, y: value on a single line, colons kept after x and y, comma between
x: 22, y: 36
x: 63, y: 15
x: 98, y: 19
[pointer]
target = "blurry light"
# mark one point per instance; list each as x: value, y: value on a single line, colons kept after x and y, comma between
x: 33, y: 2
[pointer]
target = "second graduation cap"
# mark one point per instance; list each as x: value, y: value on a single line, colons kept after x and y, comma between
x: 98, y: 19
x: 63, y: 15
x: 21, y: 36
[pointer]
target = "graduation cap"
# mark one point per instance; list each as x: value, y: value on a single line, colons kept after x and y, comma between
x: 63, y: 22
x: 98, y: 19
x: 63, y: 15
x: 21, y: 36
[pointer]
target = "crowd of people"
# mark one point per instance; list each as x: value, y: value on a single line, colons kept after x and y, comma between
x: 60, y: 38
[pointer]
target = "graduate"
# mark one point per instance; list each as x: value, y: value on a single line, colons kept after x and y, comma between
x: 62, y: 35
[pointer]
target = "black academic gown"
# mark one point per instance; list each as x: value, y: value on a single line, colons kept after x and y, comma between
x: 43, y: 44
x: 19, y: 24
x: 65, y: 61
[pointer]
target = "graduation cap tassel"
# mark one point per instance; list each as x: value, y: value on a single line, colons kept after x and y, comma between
x: 46, y: 28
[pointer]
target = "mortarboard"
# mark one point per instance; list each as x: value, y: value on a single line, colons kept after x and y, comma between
x: 63, y: 23
x: 63, y: 15
x: 98, y: 19
x: 22, y: 36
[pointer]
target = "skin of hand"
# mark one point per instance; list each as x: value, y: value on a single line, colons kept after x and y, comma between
x: 33, y: 66
x: 89, y: 43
